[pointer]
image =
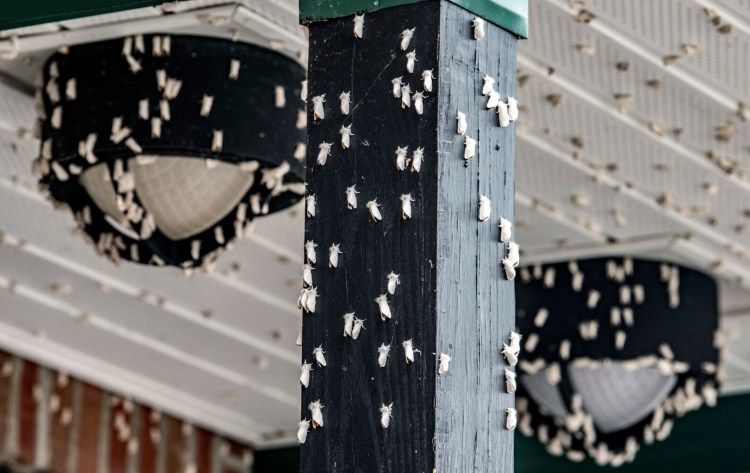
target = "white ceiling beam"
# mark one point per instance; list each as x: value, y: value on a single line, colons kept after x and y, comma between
x: 151, y: 343
x: 633, y: 193
x: 126, y: 382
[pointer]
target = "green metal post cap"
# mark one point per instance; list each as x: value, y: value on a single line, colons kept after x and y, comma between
x: 512, y: 15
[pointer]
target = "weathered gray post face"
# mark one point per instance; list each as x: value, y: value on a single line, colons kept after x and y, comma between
x: 453, y: 296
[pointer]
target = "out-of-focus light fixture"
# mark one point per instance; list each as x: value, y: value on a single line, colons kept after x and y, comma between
x: 166, y: 147
x: 614, y: 350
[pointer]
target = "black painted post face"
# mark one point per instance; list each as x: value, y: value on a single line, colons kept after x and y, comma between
x: 453, y: 296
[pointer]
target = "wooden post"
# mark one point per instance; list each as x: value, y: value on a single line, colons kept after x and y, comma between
x: 452, y: 296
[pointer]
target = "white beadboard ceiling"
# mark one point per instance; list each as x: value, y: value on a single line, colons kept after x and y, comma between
x: 219, y: 348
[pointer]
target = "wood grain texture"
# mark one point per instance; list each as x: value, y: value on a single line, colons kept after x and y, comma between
x: 175, y: 445
x: 476, y: 304
x: 452, y: 296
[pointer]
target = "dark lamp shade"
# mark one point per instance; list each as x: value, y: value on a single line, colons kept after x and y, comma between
x: 615, y: 348
x: 165, y: 148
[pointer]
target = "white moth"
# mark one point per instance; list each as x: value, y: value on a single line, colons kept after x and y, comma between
x: 620, y: 338
x: 470, y: 145
x: 512, y: 109
x: 478, y: 25
x: 310, y: 205
x: 397, y: 87
x: 346, y: 133
x: 319, y: 112
x: 143, y: 109
x: 515, y: 342
x: 53, y: 91
x: 304, y: 426
x: 385, y: 311
x: 279, y: 96
x: 135, y: 66
x: 139, y: 44
x: 666, y: 351
x: 298, y: 342
x: 320, y: 358
x: 161, y: 79
x: 60, y: 173
x: 133, y: 145
x: 383, y: 351
x: 344, y: 101
x: 511, y: 419
x: 514, y: 253
x: 549, y: 278
x: 411, y: 58
x: 408, y: 351
x: 372, y: 206
x: 615, y: 316
x: 541, y: 317
x: 358, y: 326
x: 511, y: 352
x: 172, y: 89
x: 505, y: 230
x: 639, y: 295
x: 531, y: 342
x: 351, y: 197
x: 219, y: 235
x: 385, y: 415
x: 445, y: 361
x: 493, y: 100
x: 405, y: 96
x: 393, y: 281
x: 416, y: 159
x: 625, y: 294
x: 593, y: 299
x: 461, y: 123
x: 418, y: 99
x: 510, y: 381
x: 485, y: 208
x: 502, y: 115
x: 406, y: 36
x: 359, y: 25
x: 552, y: 374
x: 427, y: 80
x: 488, y: 86
x: 348, y: 324
x: 406, y: 200
x: 401, y: 157
x: 206, y: 103
x: 155, y: 127
x: 304, y: 378
x: 306, y: 273
x: 303, y: 91
x: 70, y: 89
x: 218, y: 141
x: 323, y: 153
x: 316, y: 408
x: 565, y: 349
x: 234, y: 69
x: 164, y: 110
x: 333, y: 255
x: 577, y: 282
x: 310, y: 251
x: 300, y: 151
x: 510, y: 270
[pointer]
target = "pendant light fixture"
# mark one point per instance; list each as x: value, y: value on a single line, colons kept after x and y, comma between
x: 614, y: 350
x: 165, y: 148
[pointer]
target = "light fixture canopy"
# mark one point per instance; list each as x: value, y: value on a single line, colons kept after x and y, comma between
x: 166, y: 147
x: 615, y: 349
